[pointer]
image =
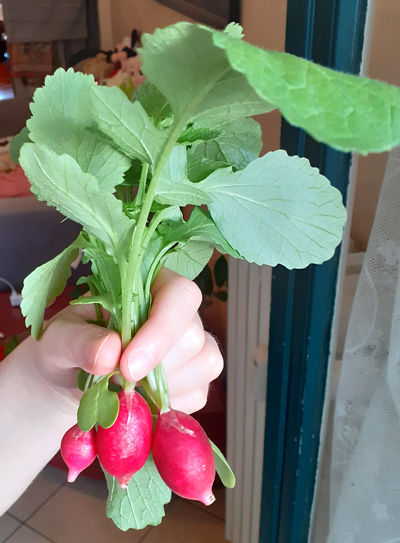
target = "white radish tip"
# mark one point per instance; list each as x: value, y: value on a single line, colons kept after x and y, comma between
x: 123, y: 482
x: 72, y: 475
x: 208, y: 498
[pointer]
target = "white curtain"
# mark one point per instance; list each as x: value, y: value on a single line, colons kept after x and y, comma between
x: 365, y: 468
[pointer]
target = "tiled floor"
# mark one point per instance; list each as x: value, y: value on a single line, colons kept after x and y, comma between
x: 52, y: 510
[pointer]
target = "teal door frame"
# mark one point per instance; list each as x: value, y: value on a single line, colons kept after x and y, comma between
x: 331, y: 33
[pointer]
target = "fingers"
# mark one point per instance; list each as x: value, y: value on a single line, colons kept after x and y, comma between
x: 188, y: 346
x: 72, y: 342
x: 198, y: 371
x: 190, y: 402
x: 175, y: 303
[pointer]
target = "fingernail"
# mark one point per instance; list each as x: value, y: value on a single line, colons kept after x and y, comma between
x: 100, y: 348
x: 138, y: 365
x: 93, y: 348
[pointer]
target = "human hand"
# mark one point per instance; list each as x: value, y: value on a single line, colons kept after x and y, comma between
x: 174, y: 334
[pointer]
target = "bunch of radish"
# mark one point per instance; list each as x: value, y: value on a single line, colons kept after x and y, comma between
x: 181, y: 449
x: 125, y: 169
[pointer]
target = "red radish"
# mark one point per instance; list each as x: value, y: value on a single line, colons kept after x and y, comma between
x: 78, y: 450
x: 183, y: 456
x: 124, y: 448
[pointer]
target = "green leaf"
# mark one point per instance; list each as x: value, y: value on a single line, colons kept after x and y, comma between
x: 278, y: 210
x: 17, y: 142
x: 98, y: 405
x: 81, y: 379
x: 104, y: 267
x: 199, y: 227
x: 132, y: 176
x: 106, y: 271
x: 345, y: 111
x: 199, y: 132
x: 238, y: 144
x: 191, y: 242
x: 101, y: 135
x: 195, y: 76
x: 221, y: 271
x: 93, y: 283
x: 127, y: 124
x: 142, y: 503
x: 188, y: 259
x: 235, y: 30
x: 198, y: 168
x: 44, y: 284
x: 222, y: 467
x: 174, y: 187
x: 60, y: 182
x: 154, y: 103
x: 152, y: 252
x: 61, y: 114
x: 127, y: 87
x: 106, y: 300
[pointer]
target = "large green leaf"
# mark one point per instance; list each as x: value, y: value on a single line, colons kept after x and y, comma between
x: 199, y: 82
x: 345, y: 111
x: 61, y: 114
x: 174, y: 187
x: 44, y: 284
x: 238, y: 143
x: 127, y: 124
x: 142, y: 503
x: 278, y: 210
x: 58, y: 180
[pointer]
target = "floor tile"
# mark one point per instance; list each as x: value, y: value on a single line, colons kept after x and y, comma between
x: 7, y: 526
x: 218, y: 507
x: 89, y: 487
x: 45, y: 484
x: 183, y: 522
x: 77, y: 513
x: 26, y: 535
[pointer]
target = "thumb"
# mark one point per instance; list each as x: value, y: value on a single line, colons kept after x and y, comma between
x: 73, y: 342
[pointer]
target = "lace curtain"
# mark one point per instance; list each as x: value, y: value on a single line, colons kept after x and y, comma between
x: 365, y: 468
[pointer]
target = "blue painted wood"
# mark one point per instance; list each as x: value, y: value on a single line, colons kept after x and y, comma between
x: 329, y: 32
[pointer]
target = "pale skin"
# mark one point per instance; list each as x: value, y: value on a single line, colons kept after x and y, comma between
x: 38, y: 393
